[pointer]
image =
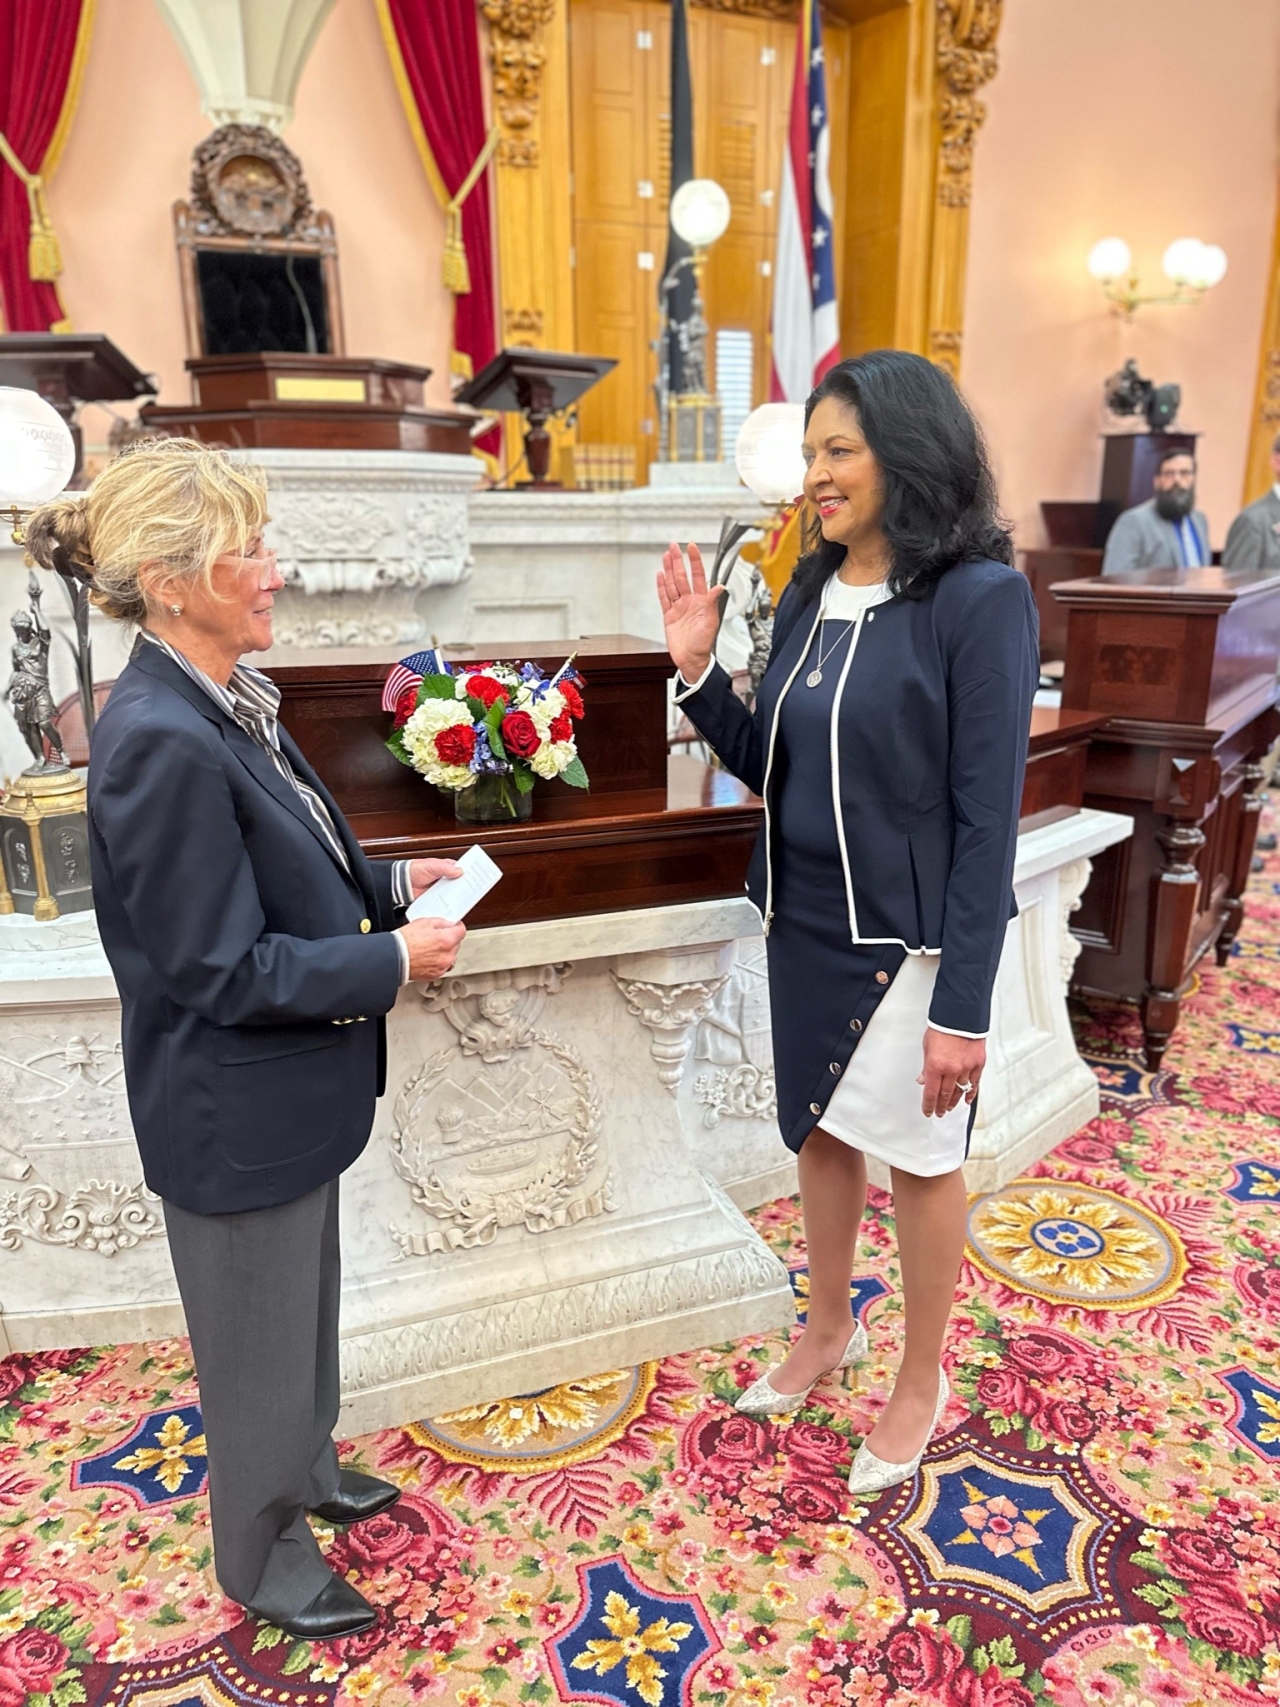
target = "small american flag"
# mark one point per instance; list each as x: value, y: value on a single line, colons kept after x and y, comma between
x: 408, y: 673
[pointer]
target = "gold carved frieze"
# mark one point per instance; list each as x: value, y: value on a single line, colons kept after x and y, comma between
x: 966, y: 61
x: 517, y: 59
x: 522, y: 325
x: 781, y: 11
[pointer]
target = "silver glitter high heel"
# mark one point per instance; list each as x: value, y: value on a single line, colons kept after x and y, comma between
x: 762, y: 1399
x: 869, y: 1474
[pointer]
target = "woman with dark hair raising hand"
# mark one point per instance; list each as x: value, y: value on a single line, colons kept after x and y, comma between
x: 888, y: 741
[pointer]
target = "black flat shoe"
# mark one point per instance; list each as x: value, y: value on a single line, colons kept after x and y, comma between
x: 358, y: 1496
x: 338, y: 1610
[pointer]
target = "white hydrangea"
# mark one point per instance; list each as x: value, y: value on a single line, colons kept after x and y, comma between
x: 552, y: 757
x: 419, y: 735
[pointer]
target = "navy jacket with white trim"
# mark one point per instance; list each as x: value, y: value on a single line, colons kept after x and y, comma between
x: 933, y: 719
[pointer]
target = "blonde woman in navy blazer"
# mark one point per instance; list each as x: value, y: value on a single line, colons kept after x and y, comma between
x: 888, y: 741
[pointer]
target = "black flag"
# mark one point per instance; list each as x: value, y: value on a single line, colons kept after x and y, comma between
x: 679, y: 300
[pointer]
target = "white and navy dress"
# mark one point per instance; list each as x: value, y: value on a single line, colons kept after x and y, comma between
x: 888, y: 742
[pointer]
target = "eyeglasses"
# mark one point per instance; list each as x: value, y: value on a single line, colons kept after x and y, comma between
x: 264, y: 560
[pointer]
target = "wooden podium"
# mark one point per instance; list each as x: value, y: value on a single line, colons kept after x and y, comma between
x: 1182, y: 662
x: 289, y: 400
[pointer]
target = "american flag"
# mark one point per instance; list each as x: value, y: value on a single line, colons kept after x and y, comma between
x: 407, y: 674
x: 806, y: 321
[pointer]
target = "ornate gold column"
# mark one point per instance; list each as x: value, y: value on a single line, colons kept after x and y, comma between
x: 1266, y: 406
x: 964, y: 61
x: 529, y: 66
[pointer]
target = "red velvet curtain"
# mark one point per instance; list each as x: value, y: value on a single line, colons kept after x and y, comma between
x: 440, y: 47
x: 37, y: 51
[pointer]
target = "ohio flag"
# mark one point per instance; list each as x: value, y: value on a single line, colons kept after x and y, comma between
x: 806, y: 326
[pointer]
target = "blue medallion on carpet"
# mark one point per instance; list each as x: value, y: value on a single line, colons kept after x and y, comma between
x: 1256, y: 1423
x: 164, y: 1459
x: 630, y: 1643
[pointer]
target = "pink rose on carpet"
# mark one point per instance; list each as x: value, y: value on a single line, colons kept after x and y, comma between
x: 814, y: 1502
x: 921, y: 1658
x: 1214, y: 1612
x: 1002, y: 1390
x: 1068, y: 1421
x: 991, y: 1689
x: 13, y: 1375
x: 821, y: 1448
x: 31, y: 1660
x: 1086, y: 1149
x: 61, y: 1357
x: 735, y: 1444
x: 1192, y: 1553
x: 1261, y: 1284
x: 379, y: 1540
x: 1045, y: 1353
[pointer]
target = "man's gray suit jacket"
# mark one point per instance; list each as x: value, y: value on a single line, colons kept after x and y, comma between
x: 1253, y: 540
x: 1142, y: 539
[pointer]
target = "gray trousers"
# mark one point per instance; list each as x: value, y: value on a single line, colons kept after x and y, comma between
x: 261, y: 1292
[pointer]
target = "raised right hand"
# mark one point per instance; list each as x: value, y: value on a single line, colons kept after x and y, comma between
x: 690, y: 611
x: 433, y: 947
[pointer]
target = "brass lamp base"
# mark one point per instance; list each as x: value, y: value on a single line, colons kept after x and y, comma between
x: 44, y: 844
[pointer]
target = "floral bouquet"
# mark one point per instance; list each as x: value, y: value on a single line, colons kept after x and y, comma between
x: 485, y: 732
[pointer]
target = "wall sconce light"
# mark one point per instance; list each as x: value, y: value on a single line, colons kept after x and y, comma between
x: 1192, y: 267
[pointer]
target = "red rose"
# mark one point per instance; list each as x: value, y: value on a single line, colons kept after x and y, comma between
x: 379, y: 1540
x: 520, y: 734
x: 1044, y: 1353
x: 562, y: 727
x: 406, y: 705
x: 457, y: 744
x: 1068, y: 1421
x: 13, y: 1374
x: 61, y: 1357
x: 818, y: 1448
x: 1002, y: 1390
x: 1261, y: 1284
x: 738, y: 1444
x: 919, y: 1659
x: 1213, y: 1612
x: 815, y: 1501
x: 1086, y: 1149
x: 992, y: 1689
x: 486, y: 690
x: 32, y: 1658
x: 1192, y: 1553
x: 572, y: 698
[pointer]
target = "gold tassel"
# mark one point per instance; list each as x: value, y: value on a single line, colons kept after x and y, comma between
x: 457, y: 274
x: 44, y: 253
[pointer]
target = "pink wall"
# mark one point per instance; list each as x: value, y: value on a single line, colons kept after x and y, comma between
x: 129, y: 158
x: 1075, y: 148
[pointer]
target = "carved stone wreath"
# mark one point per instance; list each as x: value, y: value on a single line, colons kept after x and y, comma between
x: 246, y: 182
x: 516, y: 1142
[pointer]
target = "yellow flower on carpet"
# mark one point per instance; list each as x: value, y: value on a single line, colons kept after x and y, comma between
x: 778, y: 1594
x: 519, y: 1603
x: 1083, y: 1242
x: 886, y: 1607
x: 1268, y: 1432
x: 1264, y: 1183
x: 361, y: 1683
x: 572, y: 1407
x: 169, y: 1456
x: 328, y: 1670
x: 759, y: 1691
x: 633, y: 1646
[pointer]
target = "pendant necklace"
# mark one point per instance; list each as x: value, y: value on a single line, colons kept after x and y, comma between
x: 814, y: 678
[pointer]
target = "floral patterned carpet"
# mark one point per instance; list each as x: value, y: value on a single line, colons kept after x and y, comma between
x: 1098, y: 1523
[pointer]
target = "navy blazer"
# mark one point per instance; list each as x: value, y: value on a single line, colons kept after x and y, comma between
x: 932, y: 725
x: 253, y: 970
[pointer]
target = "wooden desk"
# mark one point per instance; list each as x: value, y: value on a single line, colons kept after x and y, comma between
x: 1045, y: 567
x: 1183, y: 665
x: 652, y: 830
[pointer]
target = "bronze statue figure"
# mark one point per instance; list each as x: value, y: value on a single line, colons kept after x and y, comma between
x: 28, y: 690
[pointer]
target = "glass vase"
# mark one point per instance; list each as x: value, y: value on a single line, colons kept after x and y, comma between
x: 492, y: 800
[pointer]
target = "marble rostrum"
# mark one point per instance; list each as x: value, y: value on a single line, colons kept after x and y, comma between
x: 554, y: 1184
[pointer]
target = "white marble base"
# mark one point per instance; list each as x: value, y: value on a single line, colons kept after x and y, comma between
x: 547, y: 1189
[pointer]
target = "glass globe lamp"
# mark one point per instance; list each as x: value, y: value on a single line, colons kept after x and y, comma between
x: 1183, y: 261
x: 1110, y: 258
x: 700, y: 212
x: 37, y: 452
x: 768, y: 455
